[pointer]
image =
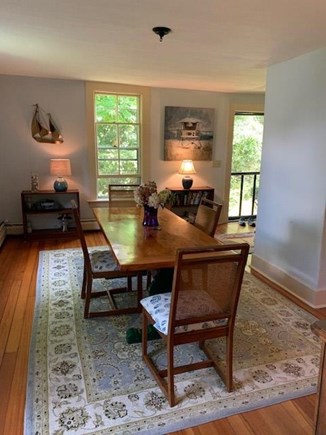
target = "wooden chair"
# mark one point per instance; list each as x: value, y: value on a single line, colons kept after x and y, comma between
x: 122, y: 195
x: 202, y: 305
x: 207, y: 216
x: 102, y: 264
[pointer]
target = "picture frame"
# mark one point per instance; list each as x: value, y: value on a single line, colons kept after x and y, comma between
x: 188, y: 133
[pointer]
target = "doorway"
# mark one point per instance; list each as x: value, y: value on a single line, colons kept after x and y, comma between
x: 247, y: 142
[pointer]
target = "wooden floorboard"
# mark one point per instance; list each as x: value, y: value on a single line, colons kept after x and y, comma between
x: 18, y: 269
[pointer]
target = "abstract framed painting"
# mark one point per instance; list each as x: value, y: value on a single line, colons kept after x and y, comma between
x: 188, y: 133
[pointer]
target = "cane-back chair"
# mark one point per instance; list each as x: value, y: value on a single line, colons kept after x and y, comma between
x: 207, y: 216
x: 202, y: 306
x: 102, y: 264
x: 122, y: 194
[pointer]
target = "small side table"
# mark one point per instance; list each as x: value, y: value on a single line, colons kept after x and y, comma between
x: 319, y: 328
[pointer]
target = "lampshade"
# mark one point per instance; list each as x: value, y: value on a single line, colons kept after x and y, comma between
x: 187, y: 168
x: 60, y: 168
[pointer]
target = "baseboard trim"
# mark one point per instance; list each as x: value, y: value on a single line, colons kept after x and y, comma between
x: 17, y: 229
x: 314, y: 298
x: 14, y: 229
x: 90, y: 225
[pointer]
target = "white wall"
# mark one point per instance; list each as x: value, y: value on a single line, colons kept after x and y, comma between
x: 290, y: 235
x: 20, y: 154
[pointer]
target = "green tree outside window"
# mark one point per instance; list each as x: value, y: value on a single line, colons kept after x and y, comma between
x: 246, y: 157
x: 117, y: 131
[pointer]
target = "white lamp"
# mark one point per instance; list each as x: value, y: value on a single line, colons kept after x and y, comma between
x: 60, y: 168
x: 187, y: 168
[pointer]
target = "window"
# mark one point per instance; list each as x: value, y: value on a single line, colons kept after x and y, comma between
x: 245, y: 170
x: 117, y: 140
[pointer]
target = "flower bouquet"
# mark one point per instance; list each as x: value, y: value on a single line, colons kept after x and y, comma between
x: 147, y: 196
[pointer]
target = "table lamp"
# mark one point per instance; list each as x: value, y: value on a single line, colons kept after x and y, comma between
x: 60, y: 168
x: 187, y: 168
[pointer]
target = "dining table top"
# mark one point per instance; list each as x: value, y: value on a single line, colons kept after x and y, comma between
x: 141, y: 248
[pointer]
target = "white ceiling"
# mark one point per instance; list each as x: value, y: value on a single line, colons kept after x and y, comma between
x: 216, y: 45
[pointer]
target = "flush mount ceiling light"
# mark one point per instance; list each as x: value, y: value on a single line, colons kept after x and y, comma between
x: 161, y: 31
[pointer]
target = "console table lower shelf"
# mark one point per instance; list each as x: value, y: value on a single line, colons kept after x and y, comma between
x: 48, y: 214
x: 50, y: 233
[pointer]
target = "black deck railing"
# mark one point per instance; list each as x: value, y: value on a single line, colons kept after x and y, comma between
x: 243, y: 194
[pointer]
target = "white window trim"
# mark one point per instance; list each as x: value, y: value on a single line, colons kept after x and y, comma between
x: 234, y: 108
x: 91, y: 88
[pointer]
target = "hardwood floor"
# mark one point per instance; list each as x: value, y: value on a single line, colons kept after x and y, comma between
x: 18, y: 269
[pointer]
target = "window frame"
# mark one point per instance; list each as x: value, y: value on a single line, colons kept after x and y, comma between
x: 135, y: 177
x: 143, y: 93
x: 235, y: 107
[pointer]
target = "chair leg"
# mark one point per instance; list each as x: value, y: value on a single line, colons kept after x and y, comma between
x: 229, y: 363
x: 170, y: 373
x: 144, y: 336
x: 83, y: 291
x: 89, y: 283
x: 157, y: 374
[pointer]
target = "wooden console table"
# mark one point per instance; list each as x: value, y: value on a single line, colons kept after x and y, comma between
x: 47, y: 213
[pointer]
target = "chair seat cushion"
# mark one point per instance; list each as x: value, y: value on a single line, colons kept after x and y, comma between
x: 190, y: 304
x: 103, y: 260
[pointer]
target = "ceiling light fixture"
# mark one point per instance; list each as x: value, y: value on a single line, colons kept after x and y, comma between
x: 161, y: 32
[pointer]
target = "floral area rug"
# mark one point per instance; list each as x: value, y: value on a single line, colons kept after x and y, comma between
x: 85, y: 379
x: 245, y: 237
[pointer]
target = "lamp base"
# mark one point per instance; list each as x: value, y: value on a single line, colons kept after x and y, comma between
x: 187, y: 182
x: 60, y: 185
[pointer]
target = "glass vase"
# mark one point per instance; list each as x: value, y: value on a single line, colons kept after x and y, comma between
x: 150, y: 217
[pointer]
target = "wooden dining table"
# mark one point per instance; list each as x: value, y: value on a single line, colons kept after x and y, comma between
x: 139, y: 248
